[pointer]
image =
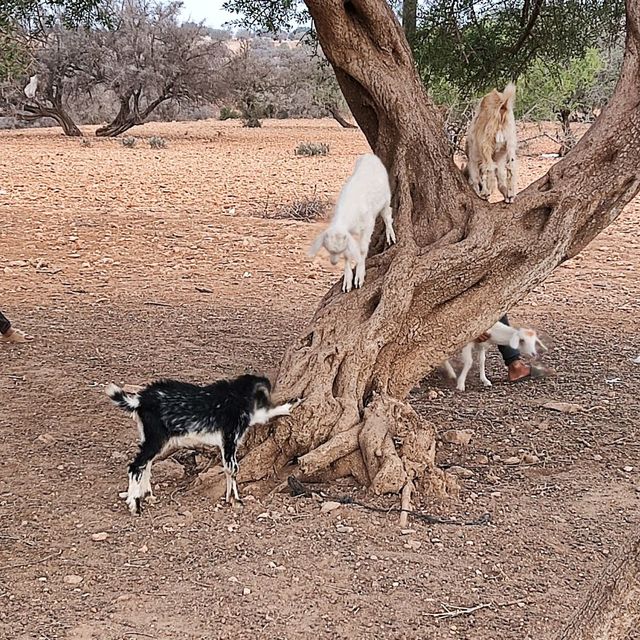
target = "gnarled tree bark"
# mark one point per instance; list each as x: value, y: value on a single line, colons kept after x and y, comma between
x: 458, y: 265
x: 55, y: 111
x: 611, y: 608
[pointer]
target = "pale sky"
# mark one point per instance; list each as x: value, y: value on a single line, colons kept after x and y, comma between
x: 208, y: 10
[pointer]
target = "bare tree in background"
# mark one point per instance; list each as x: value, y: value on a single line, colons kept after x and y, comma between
x: 149, y: 58
x: 54, y: 62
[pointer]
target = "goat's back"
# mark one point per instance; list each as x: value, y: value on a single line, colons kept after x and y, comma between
x: 365, y: 193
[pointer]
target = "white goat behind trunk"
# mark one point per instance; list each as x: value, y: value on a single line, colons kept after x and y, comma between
x: 365, y: 194
x: 526, y: 340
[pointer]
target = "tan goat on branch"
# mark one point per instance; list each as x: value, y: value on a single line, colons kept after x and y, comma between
x: 492, y: 144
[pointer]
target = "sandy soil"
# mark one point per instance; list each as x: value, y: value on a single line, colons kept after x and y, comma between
x: 129, y: 264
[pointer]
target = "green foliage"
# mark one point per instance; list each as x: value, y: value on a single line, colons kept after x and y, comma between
x: 229, y: 113
x: 312, y: 149
x: 477, y: 46
x: 14, y: 58
x: 35, y: 16
x: 129, y: 142
x: 545, y: 91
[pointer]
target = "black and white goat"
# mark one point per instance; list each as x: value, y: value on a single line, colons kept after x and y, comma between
x: 172, y: 414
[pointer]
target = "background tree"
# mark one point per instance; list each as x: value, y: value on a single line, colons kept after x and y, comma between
x: 149, y: 58
x: 458, y: 265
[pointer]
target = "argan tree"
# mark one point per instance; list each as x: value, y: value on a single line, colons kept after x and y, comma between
x: 458, y: 265
x: 149, y: 58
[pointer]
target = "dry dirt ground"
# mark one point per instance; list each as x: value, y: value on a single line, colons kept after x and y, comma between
x: 127, y: 264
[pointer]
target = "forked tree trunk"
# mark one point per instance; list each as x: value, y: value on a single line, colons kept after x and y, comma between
x: 458, y: 265
x: 129, y: 115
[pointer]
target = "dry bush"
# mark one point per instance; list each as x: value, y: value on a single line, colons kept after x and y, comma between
x: 157, y: 142
x: 129, y: 142
x: 304, y: 209
x: 309, y: 149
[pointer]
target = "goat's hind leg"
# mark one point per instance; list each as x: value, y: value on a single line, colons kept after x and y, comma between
x: 387, y: 217
x: 482, y: 356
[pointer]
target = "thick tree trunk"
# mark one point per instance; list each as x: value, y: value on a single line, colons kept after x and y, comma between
x: 611, y: 609
x: 128, y: 116
x: 458, y: 265
x: 56, y: 112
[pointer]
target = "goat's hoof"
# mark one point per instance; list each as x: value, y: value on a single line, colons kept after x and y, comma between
x: 296, y: 402
x: 123, y: 494
x: 460, y: 388
x: 237, y: 503
x: 487, y: 384
x: 509, y: 200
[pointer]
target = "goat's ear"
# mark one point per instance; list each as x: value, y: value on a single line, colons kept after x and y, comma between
x: 262, y: 394
x: 514, y: 341
x: 317, y: 245
x: 352, y: 247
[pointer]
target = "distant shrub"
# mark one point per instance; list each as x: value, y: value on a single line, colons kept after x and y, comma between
x: 85, y: 142
x: 129, y: 142
x: 312, y: 149
x: 305, y: 209
x: 157, y: 142
x: 228, y: 113
x: 252, y: 122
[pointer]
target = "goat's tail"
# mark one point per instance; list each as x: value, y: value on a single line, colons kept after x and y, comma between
x: 121, y: 399
x: 508, y: 99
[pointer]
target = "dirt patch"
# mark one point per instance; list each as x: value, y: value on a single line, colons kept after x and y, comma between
x: 128, y: 264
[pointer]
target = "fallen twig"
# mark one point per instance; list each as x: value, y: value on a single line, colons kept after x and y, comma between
x: 19, y: 565
x: 458, y: 611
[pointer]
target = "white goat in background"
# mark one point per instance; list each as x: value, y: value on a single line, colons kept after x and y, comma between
x: 492, y: 145
x: 365, y: 194
x: 526, y: 340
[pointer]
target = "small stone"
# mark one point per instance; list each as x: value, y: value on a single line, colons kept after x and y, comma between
x: 46, y: 438
x: 72, y: 579
x: 458, y: 436
x: 99, y: 537
x: 246, y: 591
x: 329, y: 506
x: 597, y: 457
x: 406, y: 532
x: 563, y: 407
x: 482, y: 459
x: 233, y: 579
x: 495, y: 494
x: 492, y: 478
x: 341, y: 528
x: 461, y: 472
x: 413, y: 544
x: 512, y: 460
x: 627, y: 468
x: 432, y: 394
x: 529, y: 458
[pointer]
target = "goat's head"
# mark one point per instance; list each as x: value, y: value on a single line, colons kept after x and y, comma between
x: 527, y: 341
x: 260, y: 388
x: 337, y: 243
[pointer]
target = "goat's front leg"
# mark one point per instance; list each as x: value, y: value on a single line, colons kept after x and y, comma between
x: 262, y: 416
x: 512, y: 176
x: 363, y: 251
x: 347, y: 281
x: 387, y: 217
x: 482, y: 356
x: 467, y: 359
